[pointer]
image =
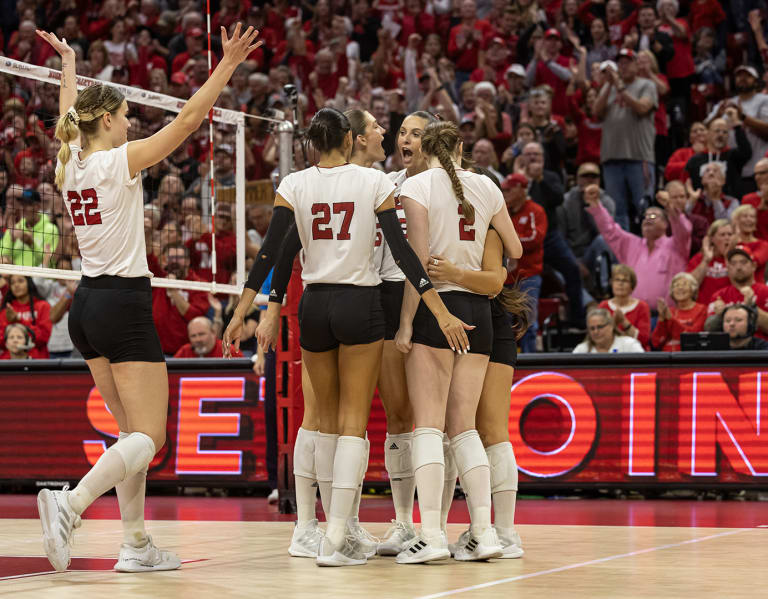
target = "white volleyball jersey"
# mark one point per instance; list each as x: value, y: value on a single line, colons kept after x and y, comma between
x: 449, y: 233
x: 335, y: 211
x: 106, y: 206
x: 382, y: 255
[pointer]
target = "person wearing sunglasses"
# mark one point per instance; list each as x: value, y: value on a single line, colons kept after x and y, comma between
x: 603, y: 337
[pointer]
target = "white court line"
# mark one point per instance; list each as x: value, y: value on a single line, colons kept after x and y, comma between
x: 579, y: 565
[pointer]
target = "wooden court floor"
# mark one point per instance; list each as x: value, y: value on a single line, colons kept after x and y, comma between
x: 249, y: 559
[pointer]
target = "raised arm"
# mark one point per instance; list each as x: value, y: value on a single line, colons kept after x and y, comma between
x: 68, y: 87
x: 147, y: 152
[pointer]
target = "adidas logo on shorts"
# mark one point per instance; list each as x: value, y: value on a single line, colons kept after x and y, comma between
x: 394, y: 446
x: 273, y: 293
x: 423, y: 283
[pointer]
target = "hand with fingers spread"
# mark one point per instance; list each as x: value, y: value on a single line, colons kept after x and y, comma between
x: 60, y: 45
x: 238, y: 48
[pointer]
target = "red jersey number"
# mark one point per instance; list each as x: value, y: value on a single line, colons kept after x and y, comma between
x: 84, y: 207
x: 322, y: 220
x: 466, y: 231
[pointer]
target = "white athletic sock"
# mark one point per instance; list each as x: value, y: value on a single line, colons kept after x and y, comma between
x: 348, y: 466
x: 130, y: 498
x: 501, y: 458
x: 449, y: 483
x: 325, y: 450
x: 359, y: 494
x: 397, y: 459
x: 472, y: 464
x: 429, y: 467
x: 121, y: 461
x: 304, y: 475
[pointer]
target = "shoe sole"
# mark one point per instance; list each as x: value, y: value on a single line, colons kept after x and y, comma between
x: 329, y: 562
x: 133, y: 569
x: 435, y: 557
x: 517, y: 554
x: 387, y: 551
x: 47, y: 507
x: 486, y: 554
x: 300, y: 552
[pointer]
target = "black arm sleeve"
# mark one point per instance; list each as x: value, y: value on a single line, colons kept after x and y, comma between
x: 403, y: 253
x: 282, y: 219
x: 284, y: 266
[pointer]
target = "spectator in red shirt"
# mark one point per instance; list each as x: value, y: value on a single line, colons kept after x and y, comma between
x: 17, y: 343
x: 709, y: 266
x: 551, y: 68
x: 495, y: 63
x: 698, y: 137
x: 759, y: 198
x: 705, y: 13
x: 680, y: 68
x: 687, y: 316
x: 172, y: 309
x: 203, y: 342
x: 744, y: 222
x: 530, y: 222
x: 200, y: 249
x: 23, y: 304
x: 742, y: 290
x: 465, y: 40
x: 632, y: 316
x: 194, y: 39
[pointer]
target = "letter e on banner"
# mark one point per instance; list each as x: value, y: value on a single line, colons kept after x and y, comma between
x: 569, y: 393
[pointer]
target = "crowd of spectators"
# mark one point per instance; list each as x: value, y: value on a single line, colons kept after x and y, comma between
x: 629, y: 140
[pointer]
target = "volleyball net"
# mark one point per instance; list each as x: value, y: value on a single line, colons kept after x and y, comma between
x: 181, y: 206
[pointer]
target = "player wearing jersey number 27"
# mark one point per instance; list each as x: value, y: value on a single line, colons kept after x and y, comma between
x: 110, y: 321
x: 340, y: 317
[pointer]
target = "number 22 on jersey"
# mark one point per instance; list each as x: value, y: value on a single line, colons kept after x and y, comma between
x: 84, y: 207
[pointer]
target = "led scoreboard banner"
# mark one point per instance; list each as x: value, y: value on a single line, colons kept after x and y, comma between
x: 687, y: 419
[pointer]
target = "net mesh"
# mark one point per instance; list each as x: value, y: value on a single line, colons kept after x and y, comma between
x: 38, y: 237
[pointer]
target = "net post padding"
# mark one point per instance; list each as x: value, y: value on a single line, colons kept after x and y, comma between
x: 290, y: 399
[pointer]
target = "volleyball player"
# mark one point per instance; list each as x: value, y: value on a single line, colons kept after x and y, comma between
x: 444, y: 388
x: 492, y: 418
x: 110, y: 320
x: 335, y: 206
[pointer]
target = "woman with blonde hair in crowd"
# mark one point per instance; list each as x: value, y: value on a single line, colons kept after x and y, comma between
x: 687, y: 316
x: 604, y: 337
x: 744, y: 222
x: 632, y: 316
x: 709, y: 266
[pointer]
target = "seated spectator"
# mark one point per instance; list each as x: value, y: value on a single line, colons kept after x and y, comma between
x: 604, y: 338
x: 739, y: 323
x: 34, y: 238
x: 759, y: 198
x: 687, y: 316
x: 676, y: 164
x: 744, y: 223
x: 172, y: 309
x: 710, y: 201
x: 17, y: 343
x: 203, y: 342
x: 530, y: 222
x: 709, y: 266
x: 632, y: 316
x: 655, y: 257
x: 731, y: 159
x: 23, y: 304
x: 743, y: 289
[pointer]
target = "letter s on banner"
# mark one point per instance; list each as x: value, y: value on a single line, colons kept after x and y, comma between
x: 572, y: 395
x: 102, y: 420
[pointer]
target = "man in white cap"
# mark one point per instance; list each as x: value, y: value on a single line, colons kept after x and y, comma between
x: 752, y: 109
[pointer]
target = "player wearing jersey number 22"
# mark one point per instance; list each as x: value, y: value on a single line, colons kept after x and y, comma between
x: 110, y: 321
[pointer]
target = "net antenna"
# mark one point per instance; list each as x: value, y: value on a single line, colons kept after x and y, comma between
x: 211, y: 180
x: 172, y: 104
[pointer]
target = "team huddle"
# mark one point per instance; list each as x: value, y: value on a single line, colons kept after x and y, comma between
x: 424, y: 319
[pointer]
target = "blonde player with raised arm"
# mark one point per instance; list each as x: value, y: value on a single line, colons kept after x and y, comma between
x: 110, y: 322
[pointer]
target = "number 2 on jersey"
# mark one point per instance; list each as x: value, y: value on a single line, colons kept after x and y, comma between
x: 466, y: 231
x: 322, y: 220
x: 84, y: 207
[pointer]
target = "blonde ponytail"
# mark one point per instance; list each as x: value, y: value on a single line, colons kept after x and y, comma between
x: 66, y: 131
x: 441, y: 140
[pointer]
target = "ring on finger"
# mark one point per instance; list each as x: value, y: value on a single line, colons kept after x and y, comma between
x: 435, y: 261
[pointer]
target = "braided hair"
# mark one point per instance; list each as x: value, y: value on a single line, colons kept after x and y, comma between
x: 441, y: 139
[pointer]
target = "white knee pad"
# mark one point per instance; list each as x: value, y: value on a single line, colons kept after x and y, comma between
x: 304, y: 453
x: 350, y: 462
x: 468, y: 451
x: 451, y: 472
x: 325, y: 450
x: 397, y: 456
x: 137, y: 451
x: 427, y: 447
x: 122, y: 435
x: 501, y: 458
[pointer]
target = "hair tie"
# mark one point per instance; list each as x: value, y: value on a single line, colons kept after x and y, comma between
x: 73, y: 116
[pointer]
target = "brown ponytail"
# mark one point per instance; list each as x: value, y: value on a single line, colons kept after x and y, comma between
x: 517, y: 302
x: 91, y: 104
x: 441, y: 140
